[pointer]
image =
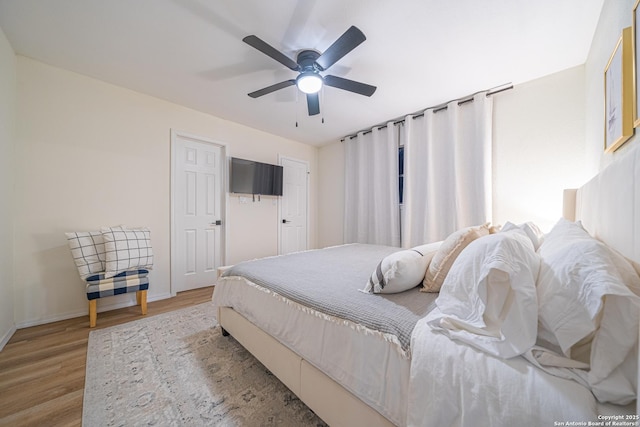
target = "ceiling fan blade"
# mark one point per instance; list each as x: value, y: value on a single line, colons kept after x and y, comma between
x: 270, y: 51
x: 350, y: 85
x: 345, y: 44
x: 313, y: 104
x: 272, y: 88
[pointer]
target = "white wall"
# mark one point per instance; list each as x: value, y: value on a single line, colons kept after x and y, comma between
x: 91, y: 154
x: 616, y: 15
x: 331, y: 195
x: 538, y: 147
x: 7, y: 138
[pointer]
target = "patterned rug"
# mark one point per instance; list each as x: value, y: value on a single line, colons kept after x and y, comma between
x: 176, y: 369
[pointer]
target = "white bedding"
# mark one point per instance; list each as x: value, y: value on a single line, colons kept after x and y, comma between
x: 365, y: 363
x: 432, y: 389
x: 453, y: 384
x: 444, y: 384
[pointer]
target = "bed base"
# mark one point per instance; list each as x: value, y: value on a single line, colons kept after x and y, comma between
x: 328, y: 399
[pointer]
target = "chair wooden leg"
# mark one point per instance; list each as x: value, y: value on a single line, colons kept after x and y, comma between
x: 141, y: 298
x: 93, y: 312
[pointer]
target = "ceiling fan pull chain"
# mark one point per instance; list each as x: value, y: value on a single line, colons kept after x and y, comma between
x: 321, y: 96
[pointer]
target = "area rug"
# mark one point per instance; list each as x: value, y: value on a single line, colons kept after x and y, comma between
x: 176, y: 369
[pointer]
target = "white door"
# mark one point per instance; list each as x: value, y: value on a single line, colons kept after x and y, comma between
x: 293, y: 206
x: 198, y: 195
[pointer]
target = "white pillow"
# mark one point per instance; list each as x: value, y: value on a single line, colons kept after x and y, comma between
x: 87, y: 249
x: 588, y: 306
x: 531, y: 230
x: 488, y: 299
x: 126, y: 249
x: 401, y: 270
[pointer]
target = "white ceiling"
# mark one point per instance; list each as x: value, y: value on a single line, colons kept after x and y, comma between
x: 418, y: 53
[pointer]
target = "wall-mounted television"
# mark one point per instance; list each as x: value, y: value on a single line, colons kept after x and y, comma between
x: 250, y: 177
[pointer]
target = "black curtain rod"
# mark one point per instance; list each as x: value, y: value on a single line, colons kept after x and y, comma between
x: 436, y: 108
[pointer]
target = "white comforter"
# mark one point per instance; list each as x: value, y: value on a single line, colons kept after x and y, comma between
x: 453, y: 384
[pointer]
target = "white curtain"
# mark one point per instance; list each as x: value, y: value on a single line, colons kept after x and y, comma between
x: 371, y: 187
x: 447, y: 170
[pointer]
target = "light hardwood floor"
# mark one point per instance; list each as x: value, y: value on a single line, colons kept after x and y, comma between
x: 42, y: 368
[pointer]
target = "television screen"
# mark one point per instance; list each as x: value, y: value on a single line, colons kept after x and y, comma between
x: 249, y: 177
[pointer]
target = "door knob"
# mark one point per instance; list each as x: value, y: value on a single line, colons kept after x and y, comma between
x: 284, y: 221
x: 218, y: 222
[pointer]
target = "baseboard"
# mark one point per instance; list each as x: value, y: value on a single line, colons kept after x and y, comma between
x: 109, y: 307
x: 84, y: 312
x: 5, y: 339
x: 50, y: 319
x: 158, y: 297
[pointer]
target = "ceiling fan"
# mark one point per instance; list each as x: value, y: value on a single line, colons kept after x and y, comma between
x: 309, y: 63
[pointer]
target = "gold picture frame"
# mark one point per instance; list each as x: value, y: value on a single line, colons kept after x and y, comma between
x: 618, y: 94
x: 635, y: 42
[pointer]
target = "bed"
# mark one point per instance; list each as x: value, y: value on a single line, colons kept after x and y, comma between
x: 398, y: 365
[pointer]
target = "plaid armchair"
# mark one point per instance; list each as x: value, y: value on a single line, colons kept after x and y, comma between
x: 112, y: 261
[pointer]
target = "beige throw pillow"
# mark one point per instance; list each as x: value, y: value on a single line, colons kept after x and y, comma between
x: 447, y: 254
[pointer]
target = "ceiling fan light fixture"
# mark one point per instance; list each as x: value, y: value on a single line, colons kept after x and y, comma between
x: 309, y: 64
x: 309, y: 82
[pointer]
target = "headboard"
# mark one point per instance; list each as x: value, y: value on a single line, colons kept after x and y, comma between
x: 609, y: 208
x: 609, y: 205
